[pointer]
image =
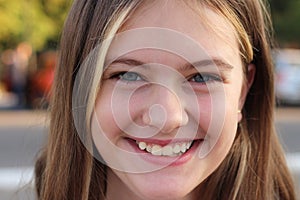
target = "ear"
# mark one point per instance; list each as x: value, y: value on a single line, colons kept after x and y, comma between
x: 245, y: 88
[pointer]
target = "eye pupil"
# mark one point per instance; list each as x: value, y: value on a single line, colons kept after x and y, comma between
x: 199, y: 78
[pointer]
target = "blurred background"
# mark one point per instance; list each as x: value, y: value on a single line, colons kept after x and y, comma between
x: 29, y: 35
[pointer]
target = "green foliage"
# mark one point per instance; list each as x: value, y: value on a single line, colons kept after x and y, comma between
x: 286, y: 19
x: 39, y: 22
x: 35, y: 21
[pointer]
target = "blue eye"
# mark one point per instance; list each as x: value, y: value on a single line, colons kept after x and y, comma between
x: 129, y: 76
x: 204, y: 78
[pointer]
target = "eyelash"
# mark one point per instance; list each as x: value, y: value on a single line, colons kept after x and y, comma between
x: 206, y: 78
x: 120, y: 75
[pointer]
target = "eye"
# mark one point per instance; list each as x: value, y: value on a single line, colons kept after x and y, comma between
x: 127, y: 76
x: 130, y: 76
x: 205, y: 78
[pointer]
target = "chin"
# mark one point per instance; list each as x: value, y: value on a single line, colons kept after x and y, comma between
x: 163, y: 190
x: 162, y: 193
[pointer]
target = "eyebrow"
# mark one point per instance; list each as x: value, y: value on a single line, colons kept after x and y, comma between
x: 202, y: 63
x: 220, y: 63
x: 130, y: 62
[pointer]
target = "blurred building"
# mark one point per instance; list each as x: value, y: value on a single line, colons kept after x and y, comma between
x: 26, y: 78
x: 287, y: 83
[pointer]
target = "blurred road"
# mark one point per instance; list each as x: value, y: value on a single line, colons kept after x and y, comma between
x: 22, y: 134
x: 288, y: 129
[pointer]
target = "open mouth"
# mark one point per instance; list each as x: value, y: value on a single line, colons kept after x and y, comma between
x: 170, y: 150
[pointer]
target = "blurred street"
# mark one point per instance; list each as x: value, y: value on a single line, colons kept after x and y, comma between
x: 23, y: 133
x: 288, y: 128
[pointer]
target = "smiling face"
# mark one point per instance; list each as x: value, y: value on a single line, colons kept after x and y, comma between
x: 167, y: 110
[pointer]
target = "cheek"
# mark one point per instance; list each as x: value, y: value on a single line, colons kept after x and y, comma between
x: 212, y: 112
x: 104, y: 116
x: 225, y: 140
x: 229, y: 121
x: 218, y: 119
x: 138, y: 104
x: 118, y: 112
x: 205, y: 108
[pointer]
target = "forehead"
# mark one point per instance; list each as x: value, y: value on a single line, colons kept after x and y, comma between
x: 204, y: 26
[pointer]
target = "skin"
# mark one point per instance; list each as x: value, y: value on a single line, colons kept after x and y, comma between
x: 174, y: 181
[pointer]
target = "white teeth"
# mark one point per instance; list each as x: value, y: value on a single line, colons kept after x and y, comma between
x: 156, y: 150
x: 183, y: 148
x: 142, y: 145
x: 188, y: 145
x: 167, y: 150
x: 174, y: 149
x: 148, y: 148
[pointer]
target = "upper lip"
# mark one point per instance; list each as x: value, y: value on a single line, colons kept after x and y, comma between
x: 164, y: 141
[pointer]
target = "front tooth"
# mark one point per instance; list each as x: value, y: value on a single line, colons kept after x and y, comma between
x: 142, y: 145
x: 156, y: 150
x: 176, y: 148
x: 167, y: 150
x: 183, y: 148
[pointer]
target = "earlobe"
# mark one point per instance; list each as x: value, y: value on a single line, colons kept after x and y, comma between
x: 245, y: 88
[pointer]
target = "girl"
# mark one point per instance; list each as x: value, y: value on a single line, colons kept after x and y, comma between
x: 164, y: 100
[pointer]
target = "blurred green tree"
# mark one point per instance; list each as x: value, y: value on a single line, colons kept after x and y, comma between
x: 286, y: 21
x: 37, y: 22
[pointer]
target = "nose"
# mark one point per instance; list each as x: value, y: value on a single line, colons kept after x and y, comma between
x: 167, y: 112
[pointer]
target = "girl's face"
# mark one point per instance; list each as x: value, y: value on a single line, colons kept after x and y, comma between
x: 167, y: 111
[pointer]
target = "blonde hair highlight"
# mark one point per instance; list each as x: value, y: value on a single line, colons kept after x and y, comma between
x: 112, y: 27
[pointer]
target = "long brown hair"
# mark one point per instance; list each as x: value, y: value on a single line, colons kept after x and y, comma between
x: 255, y: 167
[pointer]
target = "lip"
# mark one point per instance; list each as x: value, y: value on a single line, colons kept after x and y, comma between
x: 164, y: 142
x: 165, y: 160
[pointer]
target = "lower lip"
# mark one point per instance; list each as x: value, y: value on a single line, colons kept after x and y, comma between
x: 167, y: 160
